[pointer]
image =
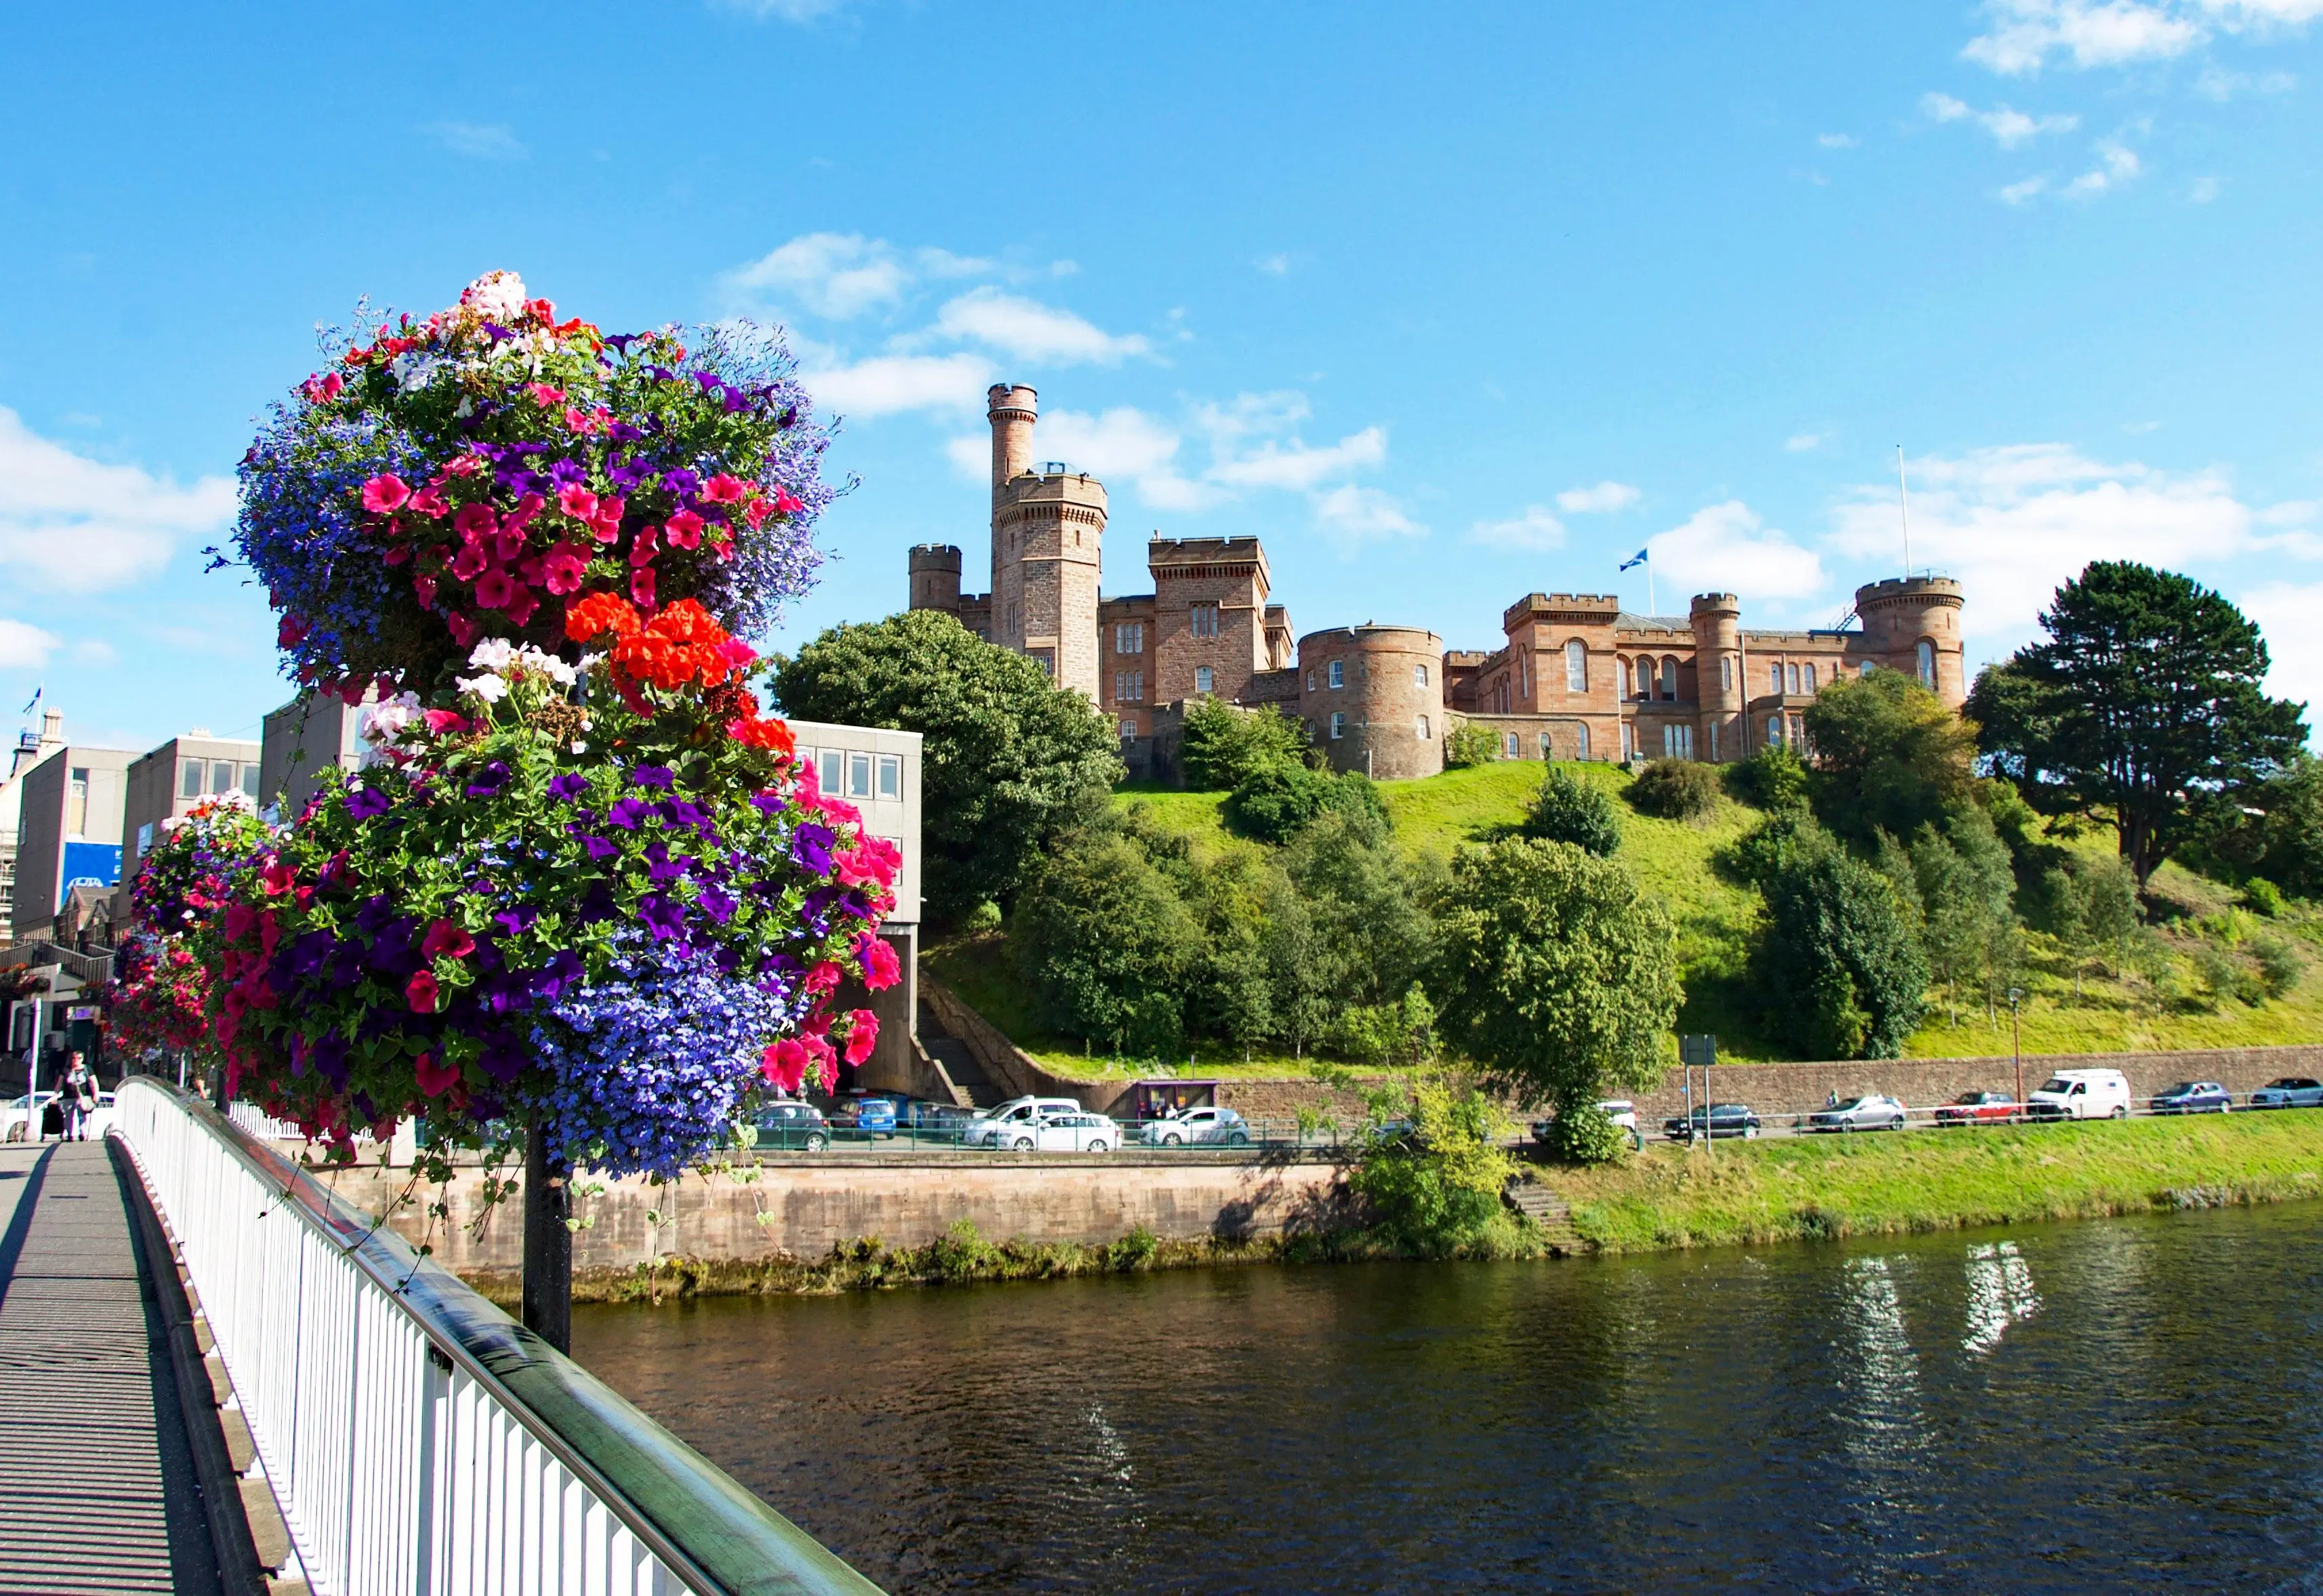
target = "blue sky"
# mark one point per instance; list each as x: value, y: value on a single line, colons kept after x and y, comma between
x: 1447, y: 304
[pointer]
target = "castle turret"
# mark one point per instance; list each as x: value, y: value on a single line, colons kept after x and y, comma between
x: 1048, y: 541
x: 1912, y: 624
x: 1719, y: 685
x: 1012, y: 411
x: 935, y: 577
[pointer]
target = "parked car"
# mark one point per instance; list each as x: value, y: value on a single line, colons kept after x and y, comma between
x: 1874, y: 1113
x: 1193, y: 1127
x: 1079, y: 1131
x: 998, y: 1128
x: 2289, y: 1091
x: 2081, y: 1094
x: 11, y: 1117
x: 2194, y: 1096
x: 1979, y: 1108
x: 1722, y: 1119
x: 871, y: 1116
x: 791, y: 1127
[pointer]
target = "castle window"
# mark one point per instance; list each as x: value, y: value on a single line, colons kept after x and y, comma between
x: 1576, y: 666
x: 1927, y: 664
x: 1524, y: 677
x: 1713, y: 742
x: 1546, y: 751
x: 1726, y: 672
x: 1420, y: 726
x: 1129, y: 730
x: 1645, y: 678
x: 1419, y: 679
x: 1202, y: 619
x: 1129, y: 637
x: 1791, y: 671
x: 1669, y: 678
x: 1774, y: 731
x: 1865, y: 668
x: 1338, y: 725
x: 1509, y: 742
x: 1629, y: 740
x: 1799, y: 737
x: 1129, y: 687
x: 1677, y: 742
x: 1046, y: 658
x: 1310, y: 680
x: 1581, y: 742
x: 1811, y: 679
x: 1203, y: 678
x: 1339, y: 669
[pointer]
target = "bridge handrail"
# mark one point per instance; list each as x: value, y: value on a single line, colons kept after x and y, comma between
x: 417, y: 1438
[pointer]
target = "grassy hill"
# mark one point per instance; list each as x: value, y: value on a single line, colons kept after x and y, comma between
x: 1714, y: 917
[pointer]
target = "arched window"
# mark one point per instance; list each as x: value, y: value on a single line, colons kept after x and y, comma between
x: 1669, y: 677
x: 1576, y: 666
x: 1791, y: 672
x: 1581, y: 742
x: 1726, y: 672
x: 1420, y: 726
x: 1774, y: 676
x: 1865, y: 668
x: 1774, y: 731
x: 1546, y: 750
x: 1927, y: 664
x: 1419, y: 675
x: 1511, y: 743
x: 1811, y: 678
x: 1644, y: 677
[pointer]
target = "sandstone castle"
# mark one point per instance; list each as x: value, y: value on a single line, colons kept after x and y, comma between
x: 1577, y: 677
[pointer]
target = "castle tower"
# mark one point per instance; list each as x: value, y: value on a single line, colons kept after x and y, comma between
x: 935, y: 577
x: 1718, y: 674
x: 1912, y: 624
x: 1048, y: 541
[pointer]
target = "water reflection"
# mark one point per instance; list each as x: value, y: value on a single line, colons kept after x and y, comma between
x: 1913, y: 1416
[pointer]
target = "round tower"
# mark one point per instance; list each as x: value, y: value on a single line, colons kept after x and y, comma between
x: 1912, y: 624
x: 1010, y: 409
x: 1719, y: 687
x: 935, y: 577
x: 1377, y: 700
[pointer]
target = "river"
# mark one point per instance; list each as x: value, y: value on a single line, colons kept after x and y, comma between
x: 2110, y: 1405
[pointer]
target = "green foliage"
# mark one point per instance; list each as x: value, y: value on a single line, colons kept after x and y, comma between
x: 1584, y: 1134
x: 2224, y: 978
x: 1435, y: 1189
x: 1010, y: 761
x: 1889, y: 757
x: 1571, y: 808
x: 1222, y: 746
x: 1675, y: 790
x: 1277, y: 801
x: 1772, y: 778
x: 1966, y: 902
x: 1135, y: 1251
x: 2279, y: 964
x: 1387, y: 1034
x: 1836, y: 962
x: 1756, y: 857
x: 2090, y: 904
x: 2263, y: 897
x: 2289, y: 834
x: 1470, y: 745
x: 1555, y: 972
x: 2144, y: 705
x: 1107, y: 943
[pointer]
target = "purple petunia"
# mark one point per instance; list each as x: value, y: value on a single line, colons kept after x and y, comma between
x: 487, y: 782
x: 366, y: 803
x: 565, y: 788
x: 656, y: 776
x: 663, y: 915
x: 628, y: 813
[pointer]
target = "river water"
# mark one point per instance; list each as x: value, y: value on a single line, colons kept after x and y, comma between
x: 2112, y: 1406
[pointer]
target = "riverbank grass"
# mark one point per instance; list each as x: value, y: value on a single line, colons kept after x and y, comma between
x: 1825, y: 1187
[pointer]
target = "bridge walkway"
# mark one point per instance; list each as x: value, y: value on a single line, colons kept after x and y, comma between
x: 98, y: 1483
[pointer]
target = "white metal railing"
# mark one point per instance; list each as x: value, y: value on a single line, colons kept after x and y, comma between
x: 418, y: 1442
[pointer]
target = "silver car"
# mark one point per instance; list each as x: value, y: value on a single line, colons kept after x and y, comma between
x: 1859, y: 1113
x: 1196, y: 1126
x: 2289, y: 1091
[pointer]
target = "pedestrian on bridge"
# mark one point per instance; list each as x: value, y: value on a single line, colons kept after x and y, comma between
x: 77, y: 1094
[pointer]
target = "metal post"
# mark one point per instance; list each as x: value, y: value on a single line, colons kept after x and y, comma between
x: 547, y: 1242
x: 2016, y: 1037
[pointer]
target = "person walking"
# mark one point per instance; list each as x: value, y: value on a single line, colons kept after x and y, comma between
x: 76, y: 1093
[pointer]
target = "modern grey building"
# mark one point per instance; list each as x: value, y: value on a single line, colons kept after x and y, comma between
x: 68, y: 832
x: 300, y: 740
x: 165, y: 783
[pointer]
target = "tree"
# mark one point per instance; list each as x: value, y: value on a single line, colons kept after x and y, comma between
x: 2290, y: 830
x: 1555, y: 972
x: 1106, y: 944
x: 1372, y: 934
x: 1470, y: 745
x: 1221, y: 745
x: 1772, y: 778
x: 1010, y: 761
x: 1836, y: 960
x: 2143, y: 705
x: 1675, y: 790
x: 1966, y: 896
x: 1571, y: 808
x: 1276, y: 800
x: 1439, y: 1185
x: 1888, y: 757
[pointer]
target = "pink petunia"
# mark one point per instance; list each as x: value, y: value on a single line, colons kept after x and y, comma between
x: 684, y: 529
x: 607, y: 522
x: 448, y: 939
x: 290, y: 633
x: 384, y: 494
x: 494, y: 589
x: 881, y: 968
x: 755, y: 513
x: 475, y: 521
x: 576, y: 501
x: 787, y: 503
x: 724, y: 489
x: 641, y: 587
x: 435, y: 1078
x: 783, y: 1064
x: 579, y: 420
x: 443, y: 720
x: 822, y: 977
x: 734, y: 654
x: 821, y: 1062
x: 527, y: 509
x: 470, y: 562
x: 278, y: 877
x: 563, y: 567
x: 544, y: 395
x: 421, y: 992
x: 463, y: 628
x: 521, y: 608
x: 862, y: 1035
x: 648, y: 545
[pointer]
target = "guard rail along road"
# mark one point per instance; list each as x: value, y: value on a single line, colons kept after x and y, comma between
x: 419, y: 1441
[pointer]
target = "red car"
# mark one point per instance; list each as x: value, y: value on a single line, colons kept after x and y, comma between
x: 1978, y: 1108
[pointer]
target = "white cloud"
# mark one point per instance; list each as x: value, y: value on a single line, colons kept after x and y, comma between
x: 1597, y: 500
x: 24, y: 647
x: 1295, y: 467
x: 2008, y: 127
x: 71, y: 524
x: 2015, y: 521
x: 2025, y: 34
x: 2285, y: 613
x: 1125, y: 445
x: 835, y: 275
x: 887, y: 384
x: 1360, y: 514
x: 1836, y: 141
x: 1799, y: 443
x: 2217, y: 83
x: 2120, y: 164
x: 2018, y: 193
x: 477, y: 140
x: 1534, y: 529
x: 1275, y: 265
x: 1032, y: 331
x: 1727, y: 548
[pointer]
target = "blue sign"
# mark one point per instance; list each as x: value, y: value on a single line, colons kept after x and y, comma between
x: 91, y: 864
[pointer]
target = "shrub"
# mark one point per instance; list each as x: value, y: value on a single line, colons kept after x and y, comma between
x: 1888, y: 757
x: 1277, y: 801
x: 1675, y: 790
x: 1584, y: 1134
x: 2223, y: 975
x: 1571, y: 808
x: 1134, y: 1252
x: 1470, y: 745
x: 1757, y: 855
x: 1437, y: 1189
x: 2262, y: 896
x: 1772, y: 778
x: 2279, y: 964
x: 1221, y: 745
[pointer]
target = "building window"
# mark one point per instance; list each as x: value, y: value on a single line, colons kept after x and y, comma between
x: 1774, y: 677
x: 1203, y: 678
x: 1927, y: 665
x: 144, y: 838
x: 76, y: 803
x: 1677, y: 742
x: 1203, y: 620
x: 1129, y: 730
x: 1419, y: 675
x: 1524, y: 677
x: 1129, y: 687
x: 1645, y: 678
x: 1669, y: 678
x: 1420, y: 728
x: 859, y: 776
x: 1798, y: 736
x: 1713, y: 742
x: 1581, y: 742
x: 1865, y: 669
x: 1576, y: 666
x: 830, y: 771
x: 891, y: 777
x: 249, y: 780
x: 1811, y: 680
x: 1628, y: 740
x: 1046, y: 658
x: 1338, y: 725
x: 191, y: 774
x: 1774, y: 731
x: 1129, y: 637
x: 1339, y: 669
x: 1510, y: 743
x: 1310, y: 680
x: 1726, y: 672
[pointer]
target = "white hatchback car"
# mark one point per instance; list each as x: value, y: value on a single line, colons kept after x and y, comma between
x: 1194, y: 1126
x: 1079, y: 1131
x: 1001, y: 1127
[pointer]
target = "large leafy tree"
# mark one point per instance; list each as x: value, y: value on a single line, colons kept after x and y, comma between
x: 1838, y: 961
x: 2143, y: 705
x: 1010, y: 761
x: 1558, y: 976
x: 1221, y: 744
x: 1888, y: 757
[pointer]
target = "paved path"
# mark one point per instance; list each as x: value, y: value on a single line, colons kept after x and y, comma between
x: 96, y: 1485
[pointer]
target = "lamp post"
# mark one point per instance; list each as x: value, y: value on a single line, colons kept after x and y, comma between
x: 2017, y: 1039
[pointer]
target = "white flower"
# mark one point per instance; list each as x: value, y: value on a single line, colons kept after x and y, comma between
x: 491, y: 689
x: 414, y: 369
x: 579, y: 746
x: 533, y: 661
x: 493, y: 654
x: 385, y: 721
x: 496, y: 296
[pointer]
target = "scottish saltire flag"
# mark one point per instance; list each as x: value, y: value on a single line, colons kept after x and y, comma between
x: 35, y: 704
x: 1637, y: 559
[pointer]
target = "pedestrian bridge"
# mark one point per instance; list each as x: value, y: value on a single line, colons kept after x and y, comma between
x: 192, y: 1328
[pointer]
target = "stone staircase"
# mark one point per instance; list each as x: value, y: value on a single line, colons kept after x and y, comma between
x: 1551, y: 1213
x: 959, y: 1063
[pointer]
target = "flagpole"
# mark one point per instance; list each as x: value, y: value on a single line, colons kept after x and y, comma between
x: 1652, y: 608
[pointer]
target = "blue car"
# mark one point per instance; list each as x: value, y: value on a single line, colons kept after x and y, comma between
x: 2289, y: 1091
x: 2194, y: 1096
x: 874, y: 1116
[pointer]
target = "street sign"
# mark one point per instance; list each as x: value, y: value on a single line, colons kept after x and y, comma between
x: 1697, y: 1050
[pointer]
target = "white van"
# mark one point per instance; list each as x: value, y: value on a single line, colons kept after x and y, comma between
x: 999, y: 1128
x: 2081, y: 1094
